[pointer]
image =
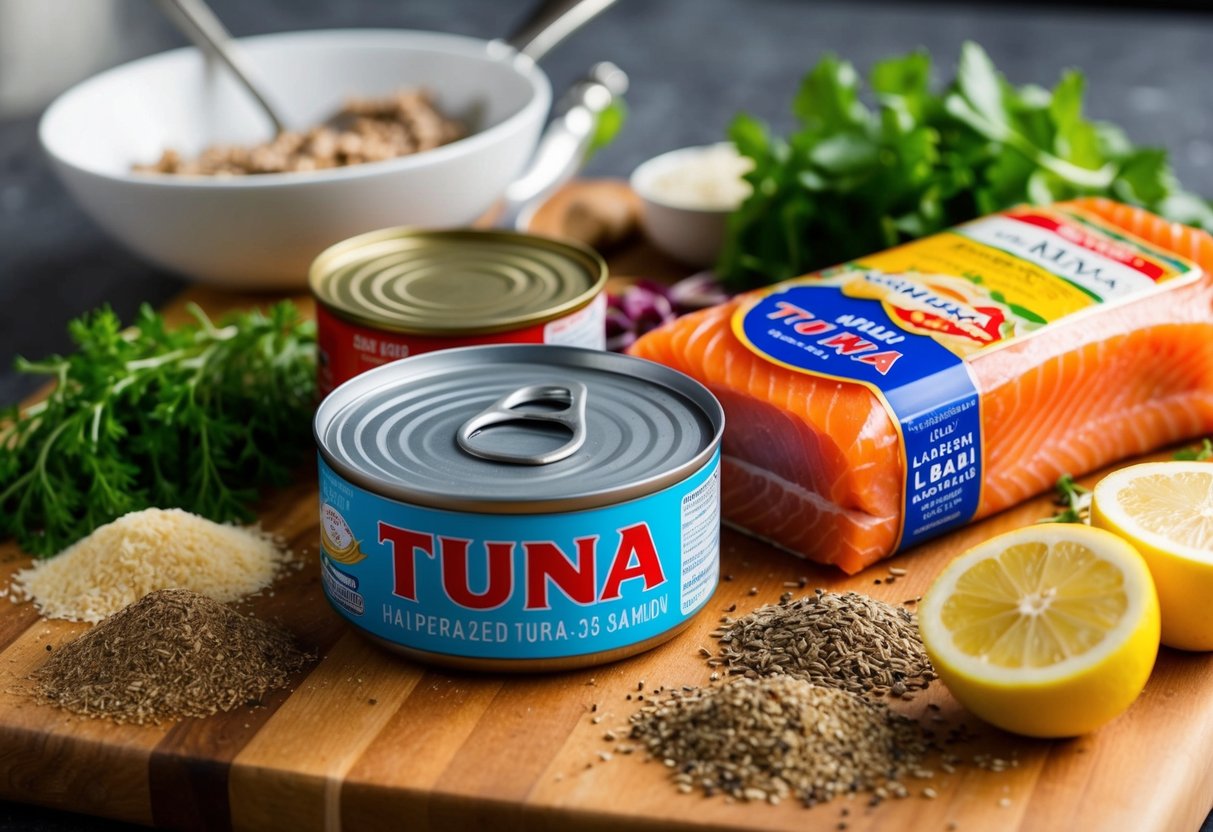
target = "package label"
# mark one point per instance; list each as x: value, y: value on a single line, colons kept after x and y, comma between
x: 906, y: 322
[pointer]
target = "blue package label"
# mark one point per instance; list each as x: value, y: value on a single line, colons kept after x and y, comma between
x: 520, y: 586
x: 905, y: 322
x: 815, y: 327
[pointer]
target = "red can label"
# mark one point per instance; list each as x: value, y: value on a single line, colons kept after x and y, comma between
x: 345, y: 349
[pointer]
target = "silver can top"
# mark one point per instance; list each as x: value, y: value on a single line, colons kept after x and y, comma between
x: 518, y: 429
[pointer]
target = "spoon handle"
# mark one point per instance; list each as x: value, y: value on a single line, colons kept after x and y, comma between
x: 196, y: 21
x: 551, y: 22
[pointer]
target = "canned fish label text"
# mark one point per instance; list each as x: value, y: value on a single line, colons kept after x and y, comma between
x: 521, y: 586
x: 347, y: 349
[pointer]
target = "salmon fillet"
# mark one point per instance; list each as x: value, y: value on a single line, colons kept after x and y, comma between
x: 813, y: 465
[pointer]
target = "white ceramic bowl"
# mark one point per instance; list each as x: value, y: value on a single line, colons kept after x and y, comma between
x: 683, y: 229
x: 261, y: 232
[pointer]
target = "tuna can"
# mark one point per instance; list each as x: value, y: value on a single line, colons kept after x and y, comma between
x: 519, y: 507
x: 398, y: 292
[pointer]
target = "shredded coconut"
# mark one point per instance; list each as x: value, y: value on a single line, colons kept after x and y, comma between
x: 146, y: 551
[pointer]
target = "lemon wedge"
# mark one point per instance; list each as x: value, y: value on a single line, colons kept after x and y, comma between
x: 1165, y: 509
x: 1048, y: 631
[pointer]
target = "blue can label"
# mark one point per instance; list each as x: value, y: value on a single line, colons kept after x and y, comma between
x: 342, y: 588
x: 520, y: 586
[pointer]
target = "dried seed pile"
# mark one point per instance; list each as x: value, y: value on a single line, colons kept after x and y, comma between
x: 774, y: 738
x: 847, y: 641
x: 174, y: 653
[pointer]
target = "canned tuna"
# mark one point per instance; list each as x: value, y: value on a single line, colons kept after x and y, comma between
x: 520, y: 507
x: 398, y: 292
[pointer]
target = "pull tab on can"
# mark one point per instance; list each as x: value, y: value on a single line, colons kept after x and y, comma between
x: 570, y: 415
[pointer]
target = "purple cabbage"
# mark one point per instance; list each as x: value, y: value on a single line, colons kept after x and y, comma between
x: 647, y: 304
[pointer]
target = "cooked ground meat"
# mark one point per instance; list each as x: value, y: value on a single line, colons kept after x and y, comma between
x: 366, y: 130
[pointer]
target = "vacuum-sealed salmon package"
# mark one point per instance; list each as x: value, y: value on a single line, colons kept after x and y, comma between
x: 882, y: 402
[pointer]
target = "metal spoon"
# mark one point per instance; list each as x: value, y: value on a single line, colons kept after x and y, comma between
x: 551, y: 22
x: 547, y: 25
x: 197, y: 22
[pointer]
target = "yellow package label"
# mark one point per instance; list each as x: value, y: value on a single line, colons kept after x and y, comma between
x: 1007, y: 275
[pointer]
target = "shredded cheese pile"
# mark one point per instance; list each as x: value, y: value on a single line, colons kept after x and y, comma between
x: 146, y: 551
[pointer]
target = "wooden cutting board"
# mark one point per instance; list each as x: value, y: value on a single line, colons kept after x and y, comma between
x: 366, y: 740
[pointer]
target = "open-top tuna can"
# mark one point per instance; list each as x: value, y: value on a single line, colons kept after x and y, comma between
x: 520, y: 507
x: 398, y: 292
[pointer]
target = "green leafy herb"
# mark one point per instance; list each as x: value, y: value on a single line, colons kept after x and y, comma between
x: 1074, y: 502
x: 855, y: 178
x: 610, y: 122
x: 193, y: 417
x: 1201, y: 453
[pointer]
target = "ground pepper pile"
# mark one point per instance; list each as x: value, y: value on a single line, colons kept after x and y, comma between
x: 779, y: 737
x: 174, y: 653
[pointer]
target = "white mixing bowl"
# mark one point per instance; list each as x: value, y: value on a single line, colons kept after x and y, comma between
x: 262, y: 232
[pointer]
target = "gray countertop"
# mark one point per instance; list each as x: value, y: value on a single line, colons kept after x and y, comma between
x: 693, y: 65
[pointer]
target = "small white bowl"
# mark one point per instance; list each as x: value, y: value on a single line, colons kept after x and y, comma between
x: 690, y: 226
x: 262, y: 232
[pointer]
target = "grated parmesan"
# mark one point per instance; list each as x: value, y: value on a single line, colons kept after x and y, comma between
x: 146, y: 551
x: 705, y: 179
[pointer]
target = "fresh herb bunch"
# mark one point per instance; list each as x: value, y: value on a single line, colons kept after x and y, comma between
x: 609, y: 122
x: 1201, y: 453
x: 194, y: 417
x: 1074, y: 502
x: 855, y: 179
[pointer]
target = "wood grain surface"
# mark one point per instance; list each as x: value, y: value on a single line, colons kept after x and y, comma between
x: 366, y: 740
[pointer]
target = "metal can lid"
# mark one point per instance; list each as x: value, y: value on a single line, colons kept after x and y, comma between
x: 518, y: 429
x: 455, y: 282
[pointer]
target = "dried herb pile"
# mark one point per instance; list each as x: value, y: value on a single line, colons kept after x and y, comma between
x: 174, y: 653
x: 776, y: 738
x: 842, y: 640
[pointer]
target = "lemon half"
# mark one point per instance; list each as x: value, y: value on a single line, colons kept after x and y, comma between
x: 1165, y: 509
x: 1049, y: 631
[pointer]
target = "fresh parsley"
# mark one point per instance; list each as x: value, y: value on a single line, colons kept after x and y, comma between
x: 194, y: 417
x: 855, y: 178
x: 1073, y: 500
x: 1201, y: 453
x: 608, y: 124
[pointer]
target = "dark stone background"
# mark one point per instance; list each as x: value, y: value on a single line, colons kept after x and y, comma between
x: 693, y: 65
